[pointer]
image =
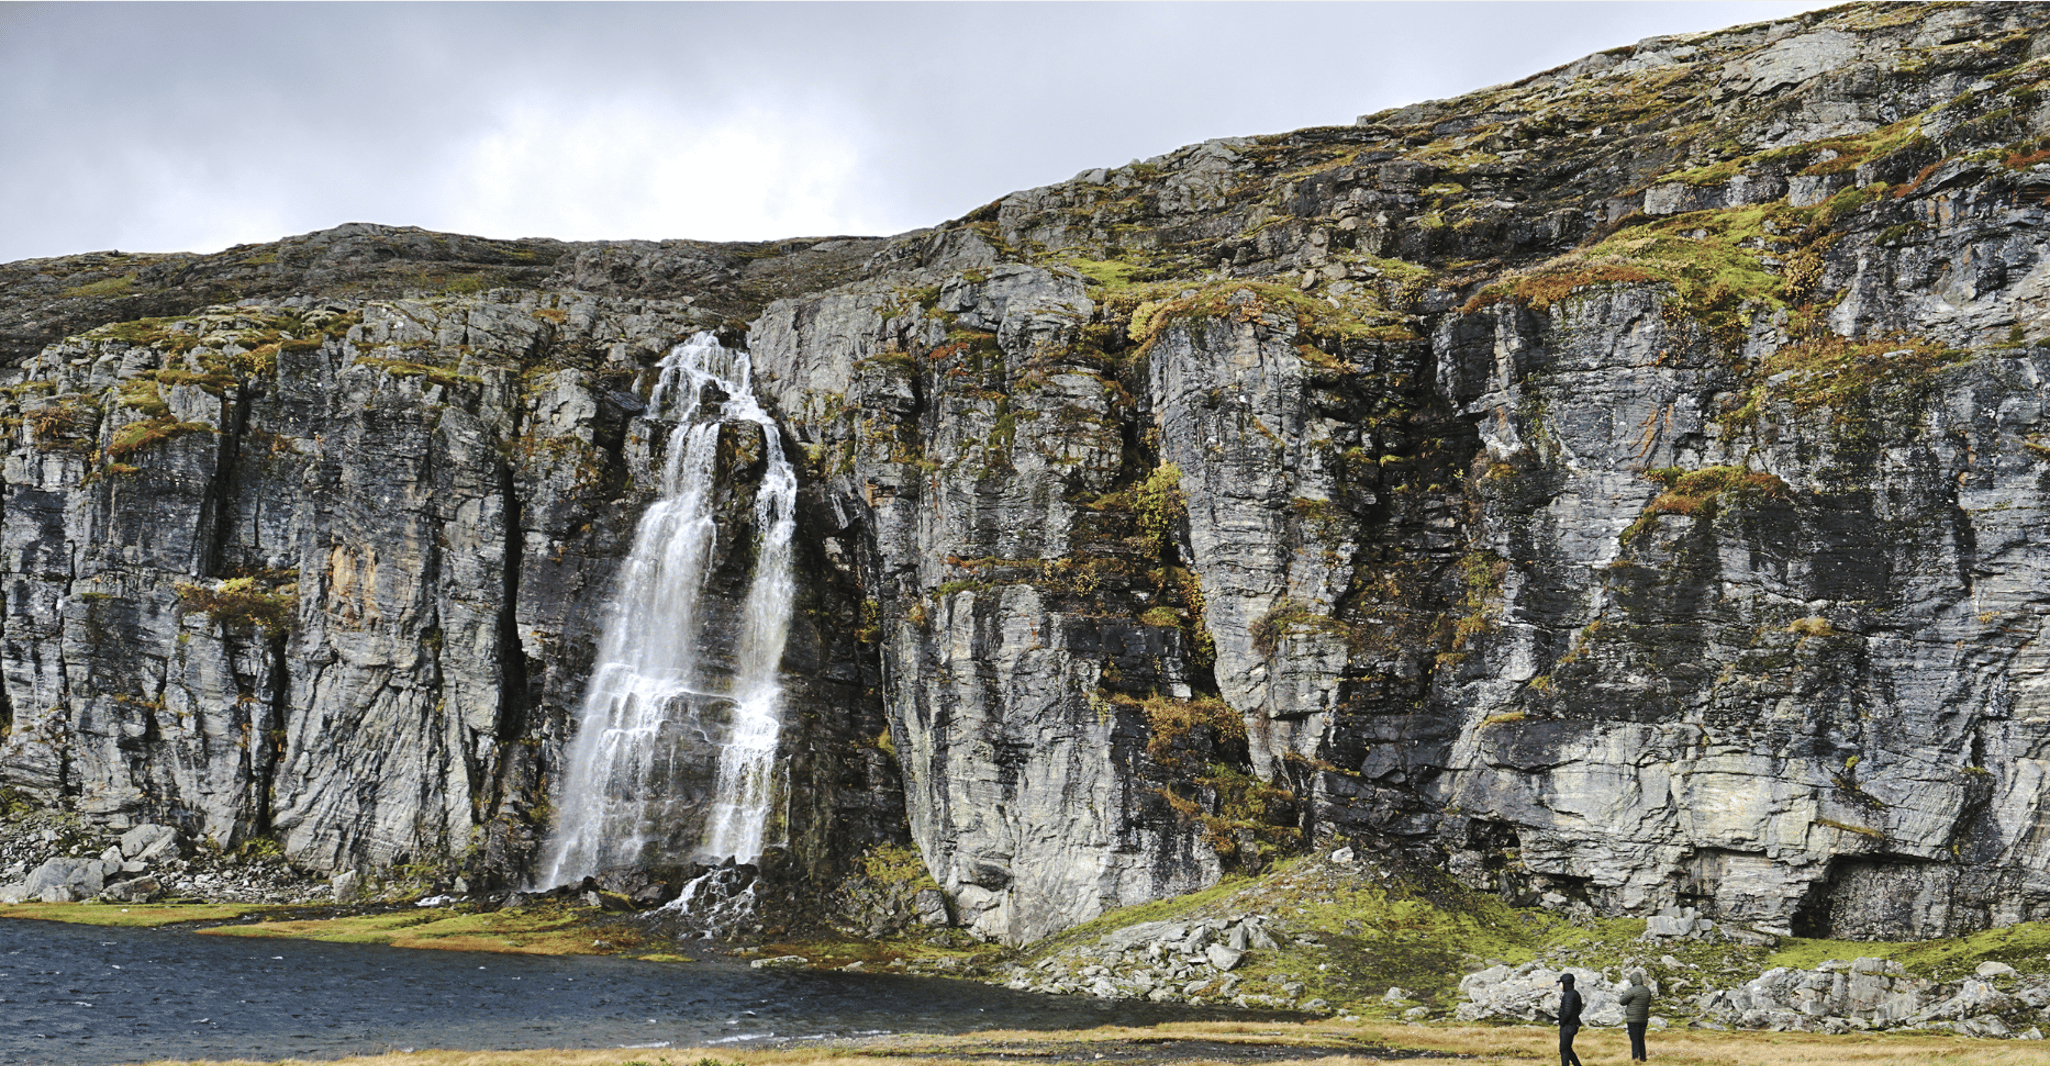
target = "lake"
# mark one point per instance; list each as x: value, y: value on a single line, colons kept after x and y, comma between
x: 75, y: 995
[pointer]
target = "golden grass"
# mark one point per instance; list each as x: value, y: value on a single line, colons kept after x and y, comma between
x: 531, y: 931
x: 1476, y: 1045
x: 1500, y: 1046
x: 134, y: 915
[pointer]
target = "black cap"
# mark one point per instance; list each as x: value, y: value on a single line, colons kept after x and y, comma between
x: 1566, y: 979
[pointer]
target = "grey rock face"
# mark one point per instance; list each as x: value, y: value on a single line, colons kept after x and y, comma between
x: 1643, y: 518
x: 325, y: 572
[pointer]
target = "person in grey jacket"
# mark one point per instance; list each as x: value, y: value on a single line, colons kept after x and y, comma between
x: 1569, y: 1020
x: 1636, y: 1014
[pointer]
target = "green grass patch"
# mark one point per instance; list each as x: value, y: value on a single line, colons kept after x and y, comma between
x: 2026, y: 947
x: 114, y: 286
x: 1108, y: 273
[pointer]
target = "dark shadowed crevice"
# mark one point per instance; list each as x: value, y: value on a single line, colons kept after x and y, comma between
x: 268, y: 750
x: 210, y: 540
x: 514, y: 695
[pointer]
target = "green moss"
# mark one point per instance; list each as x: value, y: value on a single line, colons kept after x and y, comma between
x: 64, y: 423
x: 1163, y: 617
x: 1834, y: 371
x: 136, y: 437
x: 1161, y: 508
x: 1698, y: 494
x: 1717, y: 173
x: 1153, y: 309
x: 142, y: 394
x: 1169, y: 720
x: 243, y: 603
x: 1287, y: 618
x: 893, y: 359
x: 399, y: 368
x: 1250, y: 820
x: 158, y: 333
x: 898, y: 867
x: 1480, y: 574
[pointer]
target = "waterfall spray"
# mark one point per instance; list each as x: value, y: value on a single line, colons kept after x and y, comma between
x: 658, y: 705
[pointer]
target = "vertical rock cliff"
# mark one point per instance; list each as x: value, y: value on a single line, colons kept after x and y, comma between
x: 1623, y: 485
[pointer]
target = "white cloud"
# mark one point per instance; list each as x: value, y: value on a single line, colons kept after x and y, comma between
x: 622, y: 169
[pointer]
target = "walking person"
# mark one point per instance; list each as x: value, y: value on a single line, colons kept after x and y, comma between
x: 1636, y: 1013
x: 1569, y: 1020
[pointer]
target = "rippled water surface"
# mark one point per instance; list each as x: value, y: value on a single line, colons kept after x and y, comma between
x: 91, y: 996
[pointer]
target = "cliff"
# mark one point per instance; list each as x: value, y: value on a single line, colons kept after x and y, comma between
x: 1623, y: 487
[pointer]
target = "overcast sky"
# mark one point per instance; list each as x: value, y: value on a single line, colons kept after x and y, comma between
x: 174, y: 127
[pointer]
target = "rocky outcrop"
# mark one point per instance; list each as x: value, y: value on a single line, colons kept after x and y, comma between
x: 59, y: 857
x: 1620, y: 486
x: 1530, y: 993
x: 1166, y: 961
x: 1841, y: 996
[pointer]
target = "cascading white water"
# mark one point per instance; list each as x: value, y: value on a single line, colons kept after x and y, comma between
x: 658, y: 705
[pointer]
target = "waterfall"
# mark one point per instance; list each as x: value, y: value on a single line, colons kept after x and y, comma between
x: 680, y: 680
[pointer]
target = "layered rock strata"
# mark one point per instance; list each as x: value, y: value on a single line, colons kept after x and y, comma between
x: 1623, y: 485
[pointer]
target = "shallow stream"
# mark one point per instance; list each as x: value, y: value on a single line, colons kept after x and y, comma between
x: 93, y: 996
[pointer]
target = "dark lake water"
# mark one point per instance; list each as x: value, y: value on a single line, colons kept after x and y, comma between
x: 74, y: 995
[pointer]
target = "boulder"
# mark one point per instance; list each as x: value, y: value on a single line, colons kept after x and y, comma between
x: 134, y: 890
x: 1530, y: 993
x: 150, y: 843
x: 930, y: 906
x: 61, y: 880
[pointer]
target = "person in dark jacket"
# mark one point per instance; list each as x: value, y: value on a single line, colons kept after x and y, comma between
x: 1569, y: 1020
x: 1636, y: 1013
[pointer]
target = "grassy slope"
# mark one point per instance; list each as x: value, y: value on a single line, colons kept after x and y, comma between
x: 1417, y: 929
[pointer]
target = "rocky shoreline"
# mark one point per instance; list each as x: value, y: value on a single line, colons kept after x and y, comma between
x: 52, y: 856
x: 1249, y: 960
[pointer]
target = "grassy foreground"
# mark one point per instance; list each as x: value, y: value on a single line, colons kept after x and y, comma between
x: 1330, y: 1043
